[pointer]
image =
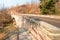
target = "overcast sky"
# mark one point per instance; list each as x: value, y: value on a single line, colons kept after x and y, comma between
x: 9, y: 3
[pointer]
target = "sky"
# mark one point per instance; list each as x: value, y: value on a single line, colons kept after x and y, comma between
x: 10, y: 3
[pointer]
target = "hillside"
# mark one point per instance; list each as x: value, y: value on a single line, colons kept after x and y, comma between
x: 24, y: 9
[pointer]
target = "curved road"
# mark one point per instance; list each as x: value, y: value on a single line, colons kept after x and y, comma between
x: 52, y: 21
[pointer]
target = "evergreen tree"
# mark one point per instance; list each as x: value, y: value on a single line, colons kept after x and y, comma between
x: 48, y: 6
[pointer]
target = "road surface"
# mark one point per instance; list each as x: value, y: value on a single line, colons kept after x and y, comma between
x: 23, y: 33
x: 52, y: 21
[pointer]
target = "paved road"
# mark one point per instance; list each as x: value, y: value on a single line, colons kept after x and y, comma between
x: 23, y: 32
x: 55, y: 22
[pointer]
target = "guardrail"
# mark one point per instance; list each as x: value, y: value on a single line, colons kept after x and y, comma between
x: 48, y: 16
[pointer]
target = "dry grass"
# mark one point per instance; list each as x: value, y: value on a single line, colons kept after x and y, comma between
x: 9, y: 28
